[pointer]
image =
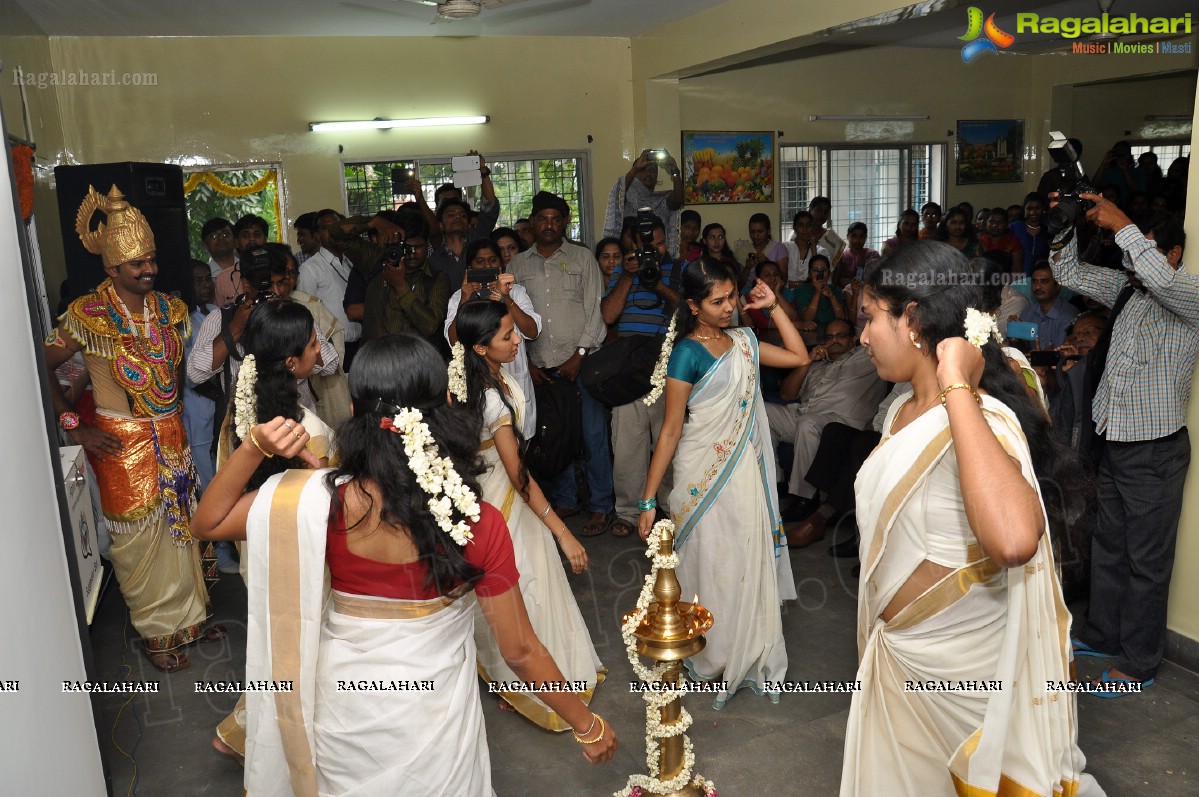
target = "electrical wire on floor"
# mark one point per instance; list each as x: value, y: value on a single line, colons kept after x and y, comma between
x: 128, y: 670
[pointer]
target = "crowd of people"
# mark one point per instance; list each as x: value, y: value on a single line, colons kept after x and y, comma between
x: 418, y: 400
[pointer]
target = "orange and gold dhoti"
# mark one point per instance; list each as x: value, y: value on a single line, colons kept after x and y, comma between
x: 148, y: 495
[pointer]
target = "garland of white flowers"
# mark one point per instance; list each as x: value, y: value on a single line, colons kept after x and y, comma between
x: 436, y: 475
x: 658, y: 379
x: 457, y: 373
x: 655, y: 731
x: 245, y: 405
x: 980, y: 326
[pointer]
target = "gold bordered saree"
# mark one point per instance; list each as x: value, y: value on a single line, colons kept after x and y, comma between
x: 384, y: 700
x: 954, y: 696
x: 553, y: 611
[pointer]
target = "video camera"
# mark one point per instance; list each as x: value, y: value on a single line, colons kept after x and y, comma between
x: 650, y: 273
x: 1073, y: 182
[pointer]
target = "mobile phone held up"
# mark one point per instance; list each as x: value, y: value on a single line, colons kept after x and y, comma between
x: 1022, y: 330
x: 1043, y: 359
x: 401, y: 173
x: 482, y: 276
x: 467, y: 170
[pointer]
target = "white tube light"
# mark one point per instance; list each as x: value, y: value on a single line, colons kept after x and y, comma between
x: 868, y: 118
x: 388, y: 124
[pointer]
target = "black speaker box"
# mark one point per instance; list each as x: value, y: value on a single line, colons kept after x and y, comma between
x: 156, y: 189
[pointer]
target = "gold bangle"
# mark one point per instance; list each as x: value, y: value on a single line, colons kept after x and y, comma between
x: 770, y: 310
x: 957, y: 385
x: 258, y: 445
x: 596, y: 740
x: 544, y: 512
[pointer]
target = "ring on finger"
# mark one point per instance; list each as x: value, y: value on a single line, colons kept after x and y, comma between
x: 297, y: 433
x: 289, y: 425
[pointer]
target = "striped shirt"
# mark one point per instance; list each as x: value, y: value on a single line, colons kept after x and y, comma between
x: 645, y: 312
x: 1146, y: 384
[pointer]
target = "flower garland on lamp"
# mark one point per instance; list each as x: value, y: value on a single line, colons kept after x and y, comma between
x: 658, y: 623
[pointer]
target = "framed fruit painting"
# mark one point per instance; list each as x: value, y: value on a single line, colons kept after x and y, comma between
x: 723, y: 167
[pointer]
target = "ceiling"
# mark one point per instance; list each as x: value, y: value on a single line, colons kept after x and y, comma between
x: 939, y: 24
x: 615, y: 18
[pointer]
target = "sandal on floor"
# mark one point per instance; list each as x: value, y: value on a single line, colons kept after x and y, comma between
x: 595, y: 526
x: 1101, y: 688
x: 1083, y: 649
x: 621, y: 528
x: 168, y: 661
x: 214, y: 633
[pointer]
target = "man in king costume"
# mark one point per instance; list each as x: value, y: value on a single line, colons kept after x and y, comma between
x: 131, y: 337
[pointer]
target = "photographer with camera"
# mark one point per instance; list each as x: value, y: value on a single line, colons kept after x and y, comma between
x: 487, y: 279
x: 1141, y: 371
x: 635, y: 189
x: 639, y: 301
x: 403, y: 293
x: 217, y: 348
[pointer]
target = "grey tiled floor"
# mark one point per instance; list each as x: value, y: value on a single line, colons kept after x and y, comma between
x: 1139, y: 745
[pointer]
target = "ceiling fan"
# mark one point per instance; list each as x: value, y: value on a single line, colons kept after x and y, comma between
x: 451, y: 10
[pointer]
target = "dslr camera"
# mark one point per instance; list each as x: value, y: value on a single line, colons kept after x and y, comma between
x: 650, y: 273
x: 1070, y: 205
x: 255, y: 266
x: 395, y: 254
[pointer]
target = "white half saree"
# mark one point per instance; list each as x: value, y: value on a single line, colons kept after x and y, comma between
x: 954, y: 696
x: 551, y: 605
x: 321, y: 738
x: 732, y: 551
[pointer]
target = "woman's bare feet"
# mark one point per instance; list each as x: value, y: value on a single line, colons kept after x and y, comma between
x: 225, y: 749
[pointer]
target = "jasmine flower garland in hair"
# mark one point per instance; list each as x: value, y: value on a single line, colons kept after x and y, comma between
x: 435, y: 475
x: 245, y: 405
x: 457, y: 373
x: 658, y: 379
x: 980, y: 326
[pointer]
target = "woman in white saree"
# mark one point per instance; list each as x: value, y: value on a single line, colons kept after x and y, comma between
x: 361, y: 659
x: 488, y: 338
x: 962, y: 631
x: 729, y: 537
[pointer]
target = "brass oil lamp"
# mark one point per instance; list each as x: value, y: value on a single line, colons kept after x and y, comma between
x: 671, y: 631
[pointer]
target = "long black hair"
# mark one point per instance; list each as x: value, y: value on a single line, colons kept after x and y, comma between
x: 477, y: 323
x: 479, y: 244
x: 696, y: 285
x: 389, y: 374
x: 942, y: 284
x: 275, y: 331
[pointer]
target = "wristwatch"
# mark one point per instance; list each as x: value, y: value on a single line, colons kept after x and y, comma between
x: 582, y: 352
x: 68, y: 421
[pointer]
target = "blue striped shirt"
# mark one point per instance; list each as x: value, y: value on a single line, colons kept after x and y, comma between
x: 1146, y: 384
x: 645, y: 312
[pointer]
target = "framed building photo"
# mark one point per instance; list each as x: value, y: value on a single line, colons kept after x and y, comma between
x: 990, y: 151
x: 723, y: 167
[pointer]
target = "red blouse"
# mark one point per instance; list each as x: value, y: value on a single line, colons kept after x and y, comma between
x: 490, y: 551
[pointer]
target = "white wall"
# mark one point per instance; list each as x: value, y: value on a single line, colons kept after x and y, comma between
x: 47, y: 738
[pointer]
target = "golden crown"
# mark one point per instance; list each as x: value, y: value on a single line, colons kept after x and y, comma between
x: 124, y: 236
